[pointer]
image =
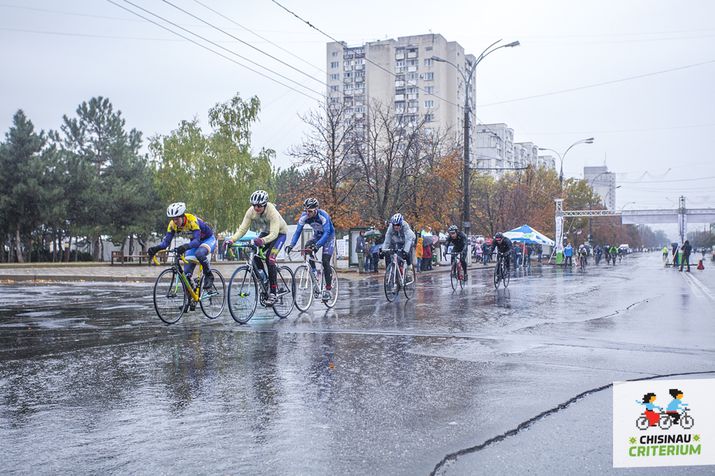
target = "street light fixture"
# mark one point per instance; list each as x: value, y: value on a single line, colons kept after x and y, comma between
x: 467, y: 130
x: 588, y: 140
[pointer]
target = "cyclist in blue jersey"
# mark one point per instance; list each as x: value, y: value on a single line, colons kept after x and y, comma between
x: 323, y: 237
x: 202, y: 244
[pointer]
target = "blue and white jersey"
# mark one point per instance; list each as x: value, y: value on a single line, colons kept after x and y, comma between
x: 404, y: 238
x: 322, y: 225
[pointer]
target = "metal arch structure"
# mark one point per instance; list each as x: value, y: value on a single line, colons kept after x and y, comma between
x: 681, y: 215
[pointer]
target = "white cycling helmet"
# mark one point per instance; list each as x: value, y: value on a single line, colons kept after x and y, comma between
x: 176, y: 210
x: 259, y: 197
x: 396, y: 219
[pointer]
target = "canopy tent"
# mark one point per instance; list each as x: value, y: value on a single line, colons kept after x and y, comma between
x: 526, y: 234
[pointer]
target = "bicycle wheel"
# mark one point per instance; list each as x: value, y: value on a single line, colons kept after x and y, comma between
x: 303, y: 288
x: 389, y: 283
x: 460, y: 275
x: 497, y: 274
x: 687, y: 422
x: 170, y: 298
x: 242, y: 295
x: 334, y: 288
x: 453, y: 277
x: 213, y: 301
x: 285, y: 293
x: 410, y: 284
x: 505, y: 274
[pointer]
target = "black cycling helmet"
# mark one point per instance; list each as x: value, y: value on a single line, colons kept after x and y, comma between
x: 310, y: 203
x: 453, y: 229
x: 498, y: 236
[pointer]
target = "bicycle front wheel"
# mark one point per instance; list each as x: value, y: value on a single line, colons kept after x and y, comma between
x: 212, y: 301
x: 410, y: 285
x: 497, y: 275
x: 389, y: 283
x: 242, y: 295
x: 453, y: 277
x: 334, y: 287
x: 170, y: 299
x: 285, y: 293
x: 505, y: 274
x: 303, y: 288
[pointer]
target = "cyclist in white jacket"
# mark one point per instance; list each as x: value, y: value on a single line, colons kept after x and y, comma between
x: 400, y: 238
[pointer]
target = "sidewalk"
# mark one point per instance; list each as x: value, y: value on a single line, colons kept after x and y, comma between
x: 104, y: 272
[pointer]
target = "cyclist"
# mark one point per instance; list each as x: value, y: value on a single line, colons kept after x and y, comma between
x: 399, y: 235
x: 598, y: 252
x: 503, y: 245
x: 583, y: 254
x: 458, y: 240
x: 614, y: 253
x: 264, y: 217
x: 323, y: 236
x: 202, y: 244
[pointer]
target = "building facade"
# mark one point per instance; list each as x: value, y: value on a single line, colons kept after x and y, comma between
x: 402, y: 74
x: 603, y: 183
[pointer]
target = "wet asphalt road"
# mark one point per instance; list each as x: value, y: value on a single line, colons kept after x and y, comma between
x: 92, y: 382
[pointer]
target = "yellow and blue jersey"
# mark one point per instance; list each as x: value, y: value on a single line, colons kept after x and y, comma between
x: 193, y: 225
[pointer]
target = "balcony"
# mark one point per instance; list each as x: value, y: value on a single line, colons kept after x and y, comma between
x: 412, y: 54
x: 399, y: 97
x: 400, y: 56
x: 411, y: 69
x: 399, y: 84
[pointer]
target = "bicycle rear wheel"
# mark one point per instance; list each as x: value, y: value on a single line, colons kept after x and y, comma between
x: 303, y: 288
x: 285, y: 293
x: 334, y: 288
x: 389, y: 282
x: 212, y: 301
x: 242, y: 295
x: 410, y: 285
x: 170, y: 298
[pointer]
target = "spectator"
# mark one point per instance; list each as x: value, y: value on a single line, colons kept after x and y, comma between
x: 360, y: 250
x: 568, y: 255
x: 418, y: 252
x: 375, y: 255
x: 686, y: 248
x: 486, y: 251
x: 427, y: 254
x: 518, y: 255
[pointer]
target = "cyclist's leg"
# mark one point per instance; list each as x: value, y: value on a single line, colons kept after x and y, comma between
x: 190, y: 257
x: 272, y: 250
x: 328, y: 249
x: 203, y: 254
x: 463, y: 260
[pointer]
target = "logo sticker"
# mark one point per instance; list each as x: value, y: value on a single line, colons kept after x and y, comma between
x: 663, y: 423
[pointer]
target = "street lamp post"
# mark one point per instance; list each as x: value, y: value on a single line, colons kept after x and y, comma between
x: 588, y: 140
x: 466, y: 225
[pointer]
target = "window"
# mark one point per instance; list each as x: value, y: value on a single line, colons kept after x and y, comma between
x: 411, y: 76
x: 412, y: 62
x: 429, y: 89
x: 400, y: 63
x: 429, y: 76
x: 335, y: 53
x: 335, y: 77
x: 334, y: 89
x: 334, y: 64
x: 429, y: 103
x: 428, y: 61
x: 429, y: 118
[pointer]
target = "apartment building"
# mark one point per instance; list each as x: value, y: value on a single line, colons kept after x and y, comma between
x: 603, y: 183
x: 402, y: 74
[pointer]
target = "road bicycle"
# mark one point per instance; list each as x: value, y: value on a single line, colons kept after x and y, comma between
x: 501, y: 271
x: 456, y: 275
x: 582, y: 261
x: 398, y: 277
x: 175, y: 293
x: 249, y: 287
x: 310, y: 282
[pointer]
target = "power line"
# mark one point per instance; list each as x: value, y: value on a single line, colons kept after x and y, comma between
x: 594, y: 85
x: 243, y: 42
x: 379, y: 66
x: 674, y: 180
x: 209, y: 49
x: 618, y: 131
x: 261, y: 37
x: 87, y: 35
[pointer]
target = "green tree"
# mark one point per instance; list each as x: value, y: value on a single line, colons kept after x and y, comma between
x: 213, y: 173
x: 22, y: 172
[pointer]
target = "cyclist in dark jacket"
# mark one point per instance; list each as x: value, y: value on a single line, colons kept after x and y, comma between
x: 458, y: 240
x: 502, y: 244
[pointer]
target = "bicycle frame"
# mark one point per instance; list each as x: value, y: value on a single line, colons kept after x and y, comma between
x: 254, y: 251
x: 177, y: 265
x: 398, y: 270
x: 309, y: 257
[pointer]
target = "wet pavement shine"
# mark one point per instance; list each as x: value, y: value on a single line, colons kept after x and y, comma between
x: 477, y: 381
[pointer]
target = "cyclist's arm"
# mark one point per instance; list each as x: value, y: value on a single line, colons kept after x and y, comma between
x: 245, y: 224
x: 328, y: 228
x: 274, y: 220
x: 409, y: 237
x: 168, y: 237
x: 388, y: 239
x: 298, y: 230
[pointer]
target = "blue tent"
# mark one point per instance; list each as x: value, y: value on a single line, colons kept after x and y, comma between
x: 526, y: 234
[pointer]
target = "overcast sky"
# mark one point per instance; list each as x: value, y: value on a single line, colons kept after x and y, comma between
x: 654, y: 131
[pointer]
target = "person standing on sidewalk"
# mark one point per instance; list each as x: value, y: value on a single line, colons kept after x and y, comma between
x: 686, y: 248
x: 360, y: 251
x: 418, y: 252
x: 568, y: 254
x: 427, y: 254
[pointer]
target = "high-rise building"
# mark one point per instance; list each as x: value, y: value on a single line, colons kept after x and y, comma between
x: 498, y: 153
x: 403, y: 75
x: 603, y: 183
